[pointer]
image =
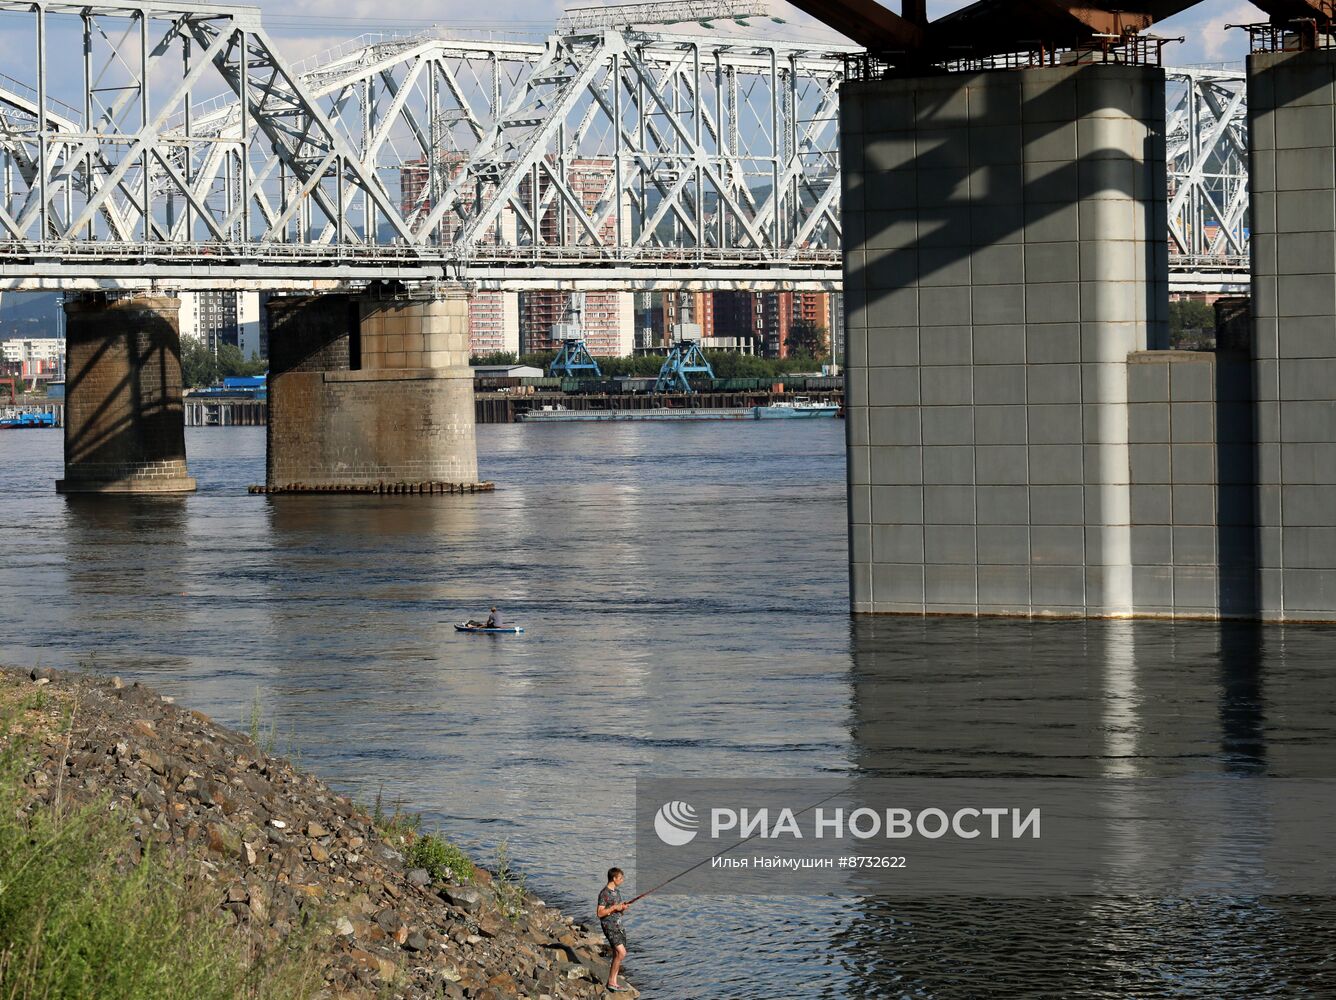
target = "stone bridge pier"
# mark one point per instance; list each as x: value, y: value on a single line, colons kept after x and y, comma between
x: 124, y: 418
x: 366, y: 389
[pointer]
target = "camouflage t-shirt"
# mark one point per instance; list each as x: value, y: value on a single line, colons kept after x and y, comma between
x: 613, y: 921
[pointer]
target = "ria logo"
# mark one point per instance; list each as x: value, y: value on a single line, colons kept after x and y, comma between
x: 676, y: 823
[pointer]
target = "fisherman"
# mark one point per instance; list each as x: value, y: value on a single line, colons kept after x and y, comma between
x: 610, y: 907
x: 493, y: 621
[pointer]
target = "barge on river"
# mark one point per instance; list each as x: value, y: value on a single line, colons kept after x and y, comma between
x: 16, y: 419
x: 799, y: 408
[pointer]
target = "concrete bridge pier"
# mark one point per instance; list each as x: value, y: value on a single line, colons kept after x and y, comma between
x: 1292, y: 134
x: 367, y: 389
x: 124, y: 417
x: 1004, y: 254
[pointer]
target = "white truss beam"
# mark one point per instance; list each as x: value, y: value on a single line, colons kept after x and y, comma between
x: 607, y: 148
x: 1206, y: 139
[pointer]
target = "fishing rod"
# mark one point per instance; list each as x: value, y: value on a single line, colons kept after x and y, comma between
x: 731, y: 847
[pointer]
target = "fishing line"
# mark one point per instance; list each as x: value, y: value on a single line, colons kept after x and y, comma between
x: 734, y: 847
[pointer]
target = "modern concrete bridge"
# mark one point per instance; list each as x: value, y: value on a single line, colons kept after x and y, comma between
x: 1020, y: 442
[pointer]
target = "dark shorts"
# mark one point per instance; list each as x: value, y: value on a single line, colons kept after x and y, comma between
x: 615, y: 935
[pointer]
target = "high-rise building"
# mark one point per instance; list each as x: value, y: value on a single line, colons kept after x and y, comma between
x: 778, y: 311
x: 836, y: 327
x: 226, y: 317
x: 607, y: 319
x: 688, y: 314
x: 494, y: 323
x: 29, y: 357
x: 734, y: 314
x: 724, y: 320
x: 415, y: 196
x: 648, y: 321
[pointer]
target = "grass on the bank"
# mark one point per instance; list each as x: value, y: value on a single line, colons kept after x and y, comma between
x: 442, y: 860
x: 445, y: 862
x: 266, y: 738
x: 508, y: 885
x: 78, y: 920
x: 398, y: 826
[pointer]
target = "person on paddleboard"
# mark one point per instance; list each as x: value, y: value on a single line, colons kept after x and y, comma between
x: 609, y: 910
x: 493, y: 621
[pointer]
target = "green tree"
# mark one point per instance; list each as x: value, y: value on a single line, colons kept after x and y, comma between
x: 495, y: 358
x: 637, y: 365
x: 734, y: 364
x: 198, y: 365
x: 232, y: 362
x: 538, y: 359
x: 1191, y: 324
x: 806, y: 337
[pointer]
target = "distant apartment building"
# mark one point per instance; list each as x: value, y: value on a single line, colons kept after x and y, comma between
x: 778, y: 311
x: 494, y: 323
x: 753, y: 322
x: 606, y: 319
x: 32, y: 357
x: 734, y: 314
x: 836, y: 327
x: 218, y: 318
x: 719, y: 320
x: 649, y: 328
x: 688, y: 314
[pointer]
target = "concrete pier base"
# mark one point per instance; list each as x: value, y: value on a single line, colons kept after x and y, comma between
x: 364, y: 390
x: 124, y: 417
x: 1291, y: 116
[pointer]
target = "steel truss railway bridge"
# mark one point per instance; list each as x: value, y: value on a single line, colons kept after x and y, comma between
x: 171, y: 145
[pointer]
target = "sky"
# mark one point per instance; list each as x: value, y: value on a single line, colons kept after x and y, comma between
x: 306, y: 23
x: 306, y: 27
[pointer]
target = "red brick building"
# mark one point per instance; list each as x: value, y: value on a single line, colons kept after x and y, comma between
x: 778, y: 311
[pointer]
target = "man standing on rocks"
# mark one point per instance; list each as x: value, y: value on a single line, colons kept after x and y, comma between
x: 610, y: 907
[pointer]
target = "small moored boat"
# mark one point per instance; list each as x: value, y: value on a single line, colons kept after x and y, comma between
x: 800, y: 407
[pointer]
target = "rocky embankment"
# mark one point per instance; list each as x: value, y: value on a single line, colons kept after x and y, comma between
x: 286, y: 852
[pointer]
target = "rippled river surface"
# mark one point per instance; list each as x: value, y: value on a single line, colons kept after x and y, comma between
x: 685, y: 596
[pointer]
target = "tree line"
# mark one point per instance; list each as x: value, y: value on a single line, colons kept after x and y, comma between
x: 201, y: 367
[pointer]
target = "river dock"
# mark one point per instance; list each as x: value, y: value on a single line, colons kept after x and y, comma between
x: 501, y: 407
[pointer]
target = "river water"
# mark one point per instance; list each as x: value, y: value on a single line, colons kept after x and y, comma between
x: 685, y: 596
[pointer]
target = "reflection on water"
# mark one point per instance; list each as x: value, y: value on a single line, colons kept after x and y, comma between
x: 1090, y: 699
x: 685, y: 595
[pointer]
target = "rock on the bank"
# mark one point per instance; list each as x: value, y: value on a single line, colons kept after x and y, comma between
x: 283, y: 848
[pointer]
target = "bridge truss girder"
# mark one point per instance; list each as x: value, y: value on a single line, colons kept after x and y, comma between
x: 128, y: 167
x: 1206, y: 140
x: 612, y: 158
x: 611, y: 149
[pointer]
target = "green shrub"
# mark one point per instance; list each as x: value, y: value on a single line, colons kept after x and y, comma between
x: 395, y: 826
x: 508, y: 885
x: 443, y: 861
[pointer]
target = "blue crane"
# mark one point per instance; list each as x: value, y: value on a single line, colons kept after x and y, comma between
x: 684, y: 358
